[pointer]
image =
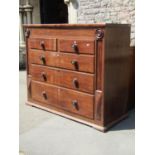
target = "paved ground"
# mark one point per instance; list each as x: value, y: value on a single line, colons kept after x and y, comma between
x: 43, y: 133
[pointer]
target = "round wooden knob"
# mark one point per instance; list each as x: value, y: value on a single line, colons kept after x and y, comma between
x: 42, y: 58
x: 75, y: 83
x: 75, y: 104
x: 75, y: 47
x: 42, y: 44
x: 43, y: 74
x: 44, y: 95
x: 74, y: 62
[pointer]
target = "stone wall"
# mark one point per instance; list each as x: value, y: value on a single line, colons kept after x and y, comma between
x: 108, y: 11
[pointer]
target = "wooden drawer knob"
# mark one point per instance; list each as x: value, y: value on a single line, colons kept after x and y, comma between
x: 75, y: 47
x: 75, y: 63
x: 75, y: 83
x: 44, y: 95
x: 75, y: 104
x: 42, y: 44
x: 42, y: 58
x: 43, y: 75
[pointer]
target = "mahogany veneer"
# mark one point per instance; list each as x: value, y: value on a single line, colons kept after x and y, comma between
x: 79, y: 71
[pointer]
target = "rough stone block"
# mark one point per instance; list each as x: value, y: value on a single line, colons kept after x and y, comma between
x: 109, y: 11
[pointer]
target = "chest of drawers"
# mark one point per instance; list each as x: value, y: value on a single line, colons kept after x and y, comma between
x: 79, y: 71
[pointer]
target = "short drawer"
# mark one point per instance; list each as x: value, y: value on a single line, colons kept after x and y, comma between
x: 77, y: 81
x: 77, y: 46
x: 83, y: 63
x: 77, y: 102
x: 43, y: 58
x: 44, y: 74
x: 43, y: 44
x: 44, y: 93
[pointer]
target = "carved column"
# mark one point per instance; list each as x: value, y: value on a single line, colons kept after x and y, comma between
x: 72, y: 10
x: 28, y: 9
x: 21, y: 31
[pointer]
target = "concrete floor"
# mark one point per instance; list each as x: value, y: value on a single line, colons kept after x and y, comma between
x: 43, y: 133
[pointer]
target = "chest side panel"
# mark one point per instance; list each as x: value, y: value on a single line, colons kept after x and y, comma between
x: 117, y: 67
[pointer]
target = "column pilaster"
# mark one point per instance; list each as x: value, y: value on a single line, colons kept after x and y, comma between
x: 72, y: 10
x: 21, y: 31
x: 28, y: 9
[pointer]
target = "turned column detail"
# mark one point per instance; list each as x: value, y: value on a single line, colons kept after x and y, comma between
x: 72, y: 10
x: 28, y: 10
x: 21, y: 31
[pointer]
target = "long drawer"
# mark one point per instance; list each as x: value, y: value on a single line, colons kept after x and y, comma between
x: 77, y: 62
x: 72, y: 101
x: 69, y: 79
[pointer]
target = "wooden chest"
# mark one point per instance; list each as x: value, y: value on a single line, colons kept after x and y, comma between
x: 79, y: 71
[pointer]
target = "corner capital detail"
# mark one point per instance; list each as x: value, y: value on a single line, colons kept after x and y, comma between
x: 99, y: 34
x: 27, y: 33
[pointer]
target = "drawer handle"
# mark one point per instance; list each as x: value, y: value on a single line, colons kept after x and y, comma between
x: 75, y: 104
x: 43, y: 74
x: 42, y: 58
x: 75, y: 63
x: 75, y: 83
x: 44, y: 95
x: 42, y: 44
x: 75, y: 47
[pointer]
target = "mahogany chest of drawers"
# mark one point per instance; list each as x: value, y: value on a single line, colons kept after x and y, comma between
x: 79, y: 71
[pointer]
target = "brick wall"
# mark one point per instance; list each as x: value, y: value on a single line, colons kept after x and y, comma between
x: 108, y: 11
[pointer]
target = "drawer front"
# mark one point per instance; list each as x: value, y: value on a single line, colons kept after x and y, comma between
x: 77, y: 62
x: 44, y: 74
x: 74, y: 62
x: 43, y: 44
x: 77, y: 102
x: 77, y: 81
x: 43, y: 58
x: 44, y: 93
x: 73, y: 80
x: 77, y: 46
